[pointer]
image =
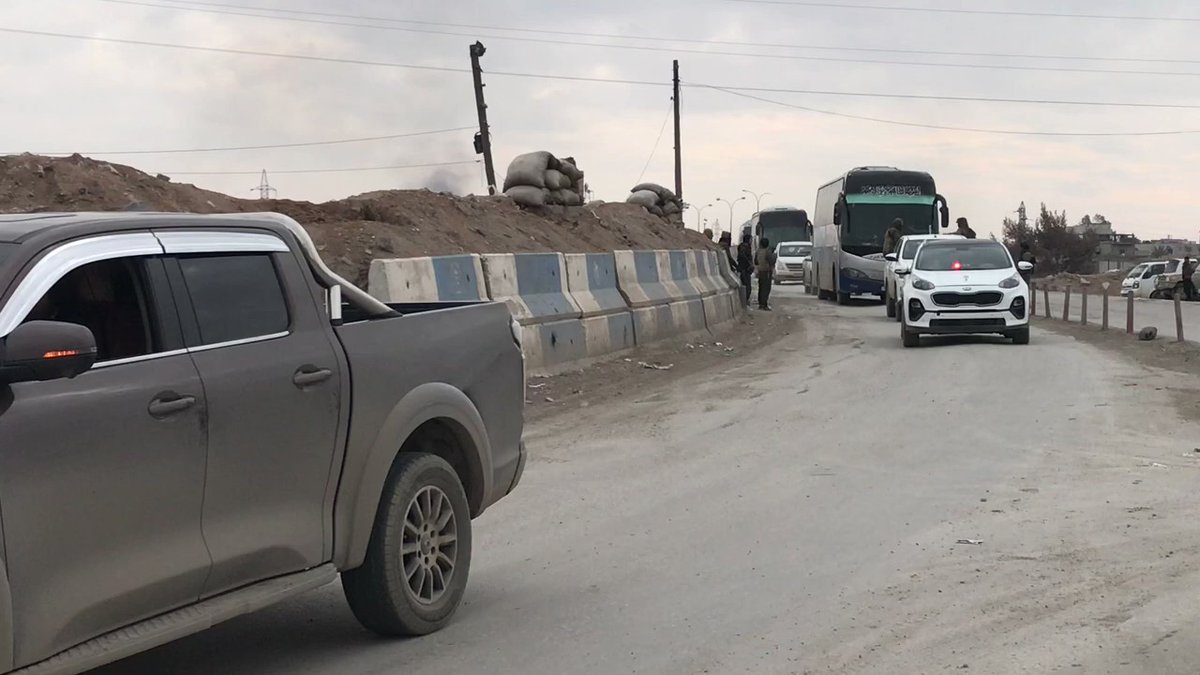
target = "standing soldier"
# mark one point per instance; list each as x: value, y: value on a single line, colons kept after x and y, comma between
x: 1027, y: 256
x: 764, y: 263
x: 1188, y: 269
x: 892, y: 238
x: 745, y: 266
x: 964, y: 229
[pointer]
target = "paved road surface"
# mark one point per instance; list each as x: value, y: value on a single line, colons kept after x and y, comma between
x: 1160, y: 313
x: 798, y: 511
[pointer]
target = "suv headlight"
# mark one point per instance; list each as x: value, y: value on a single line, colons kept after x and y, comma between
x: 1011, y: 282
x: 922, y: 284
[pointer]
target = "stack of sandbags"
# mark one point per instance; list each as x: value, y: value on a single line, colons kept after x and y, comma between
x: 657, y: 200
x: 540, y: 179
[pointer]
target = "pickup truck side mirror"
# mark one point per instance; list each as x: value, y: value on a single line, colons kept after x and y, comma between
x: 1024, y: 266
x: 891, y: 257
x: 46, y: 350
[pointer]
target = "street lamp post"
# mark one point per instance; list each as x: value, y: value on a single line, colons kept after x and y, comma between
x: 757, y: 200
x: 700, y: 212
x: 730, y: 204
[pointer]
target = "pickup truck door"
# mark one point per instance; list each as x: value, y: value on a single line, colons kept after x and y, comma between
x: 264, y: 352
x: 102, y: 476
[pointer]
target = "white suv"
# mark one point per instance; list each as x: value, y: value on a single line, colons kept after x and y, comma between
x: 906, y: 251
x: 964, y: 286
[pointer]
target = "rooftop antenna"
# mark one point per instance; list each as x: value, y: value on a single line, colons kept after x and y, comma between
x: 265, y: 191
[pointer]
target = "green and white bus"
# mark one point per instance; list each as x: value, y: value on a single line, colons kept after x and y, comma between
x: 852, y: 215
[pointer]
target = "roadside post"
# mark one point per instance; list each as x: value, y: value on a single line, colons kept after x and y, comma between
x: 1067, y: 304
x: 1032, y: 298
x: 1046, y: 295
x: 1104, y: 320
x: 1083, y: 297
x: 1178, y: 317
x: 1129, y: 314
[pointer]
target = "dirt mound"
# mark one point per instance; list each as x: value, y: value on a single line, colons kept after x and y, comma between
x: 1094, y: 282
x: 350, y: 232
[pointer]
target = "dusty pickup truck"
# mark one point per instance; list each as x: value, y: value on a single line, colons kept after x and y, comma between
x: 198, y: 419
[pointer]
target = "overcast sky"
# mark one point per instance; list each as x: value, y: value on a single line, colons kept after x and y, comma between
x: 72, y: 95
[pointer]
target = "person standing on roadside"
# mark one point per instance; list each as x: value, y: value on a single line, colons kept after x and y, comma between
x: 964, y: 229
x: 745, y: 266
x: 1027, y: 256
x: 891, y: 239
x: 764, y: 264
x: 1188, y: 269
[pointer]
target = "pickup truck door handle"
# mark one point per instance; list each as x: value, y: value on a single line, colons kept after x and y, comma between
x: 169, y: 403
x: 307, y: 376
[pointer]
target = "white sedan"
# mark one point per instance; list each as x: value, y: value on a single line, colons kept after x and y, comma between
x: 906, y: 251
x: 964, y: 286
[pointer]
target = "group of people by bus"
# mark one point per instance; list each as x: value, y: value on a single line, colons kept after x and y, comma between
x: 750, y: 263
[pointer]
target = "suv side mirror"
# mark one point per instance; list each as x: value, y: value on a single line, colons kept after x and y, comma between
x: 902, y: 271
x: 46, y: 350
x: 1024, y: 266
x: 891, y: 257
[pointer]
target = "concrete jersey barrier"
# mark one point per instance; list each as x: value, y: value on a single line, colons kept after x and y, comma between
x: 607, y: 321
x: 454, y: 278
x: 534, y: 285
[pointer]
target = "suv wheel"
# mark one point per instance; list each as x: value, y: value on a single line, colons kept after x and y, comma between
x: 909, y: 338
x: 1021, y: 336
x: 415, y: 572
x: 891, y: 307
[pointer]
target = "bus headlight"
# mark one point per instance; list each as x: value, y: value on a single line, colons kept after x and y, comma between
x: 852, y: 273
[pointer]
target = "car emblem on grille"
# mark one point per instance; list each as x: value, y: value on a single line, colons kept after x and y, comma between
x: 968, y: 288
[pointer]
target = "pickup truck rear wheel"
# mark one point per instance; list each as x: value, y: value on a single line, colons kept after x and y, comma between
x: 415, y: 572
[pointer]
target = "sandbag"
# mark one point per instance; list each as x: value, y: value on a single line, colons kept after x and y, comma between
x: 656, y: 210
x: 529, y: 170
x: 671, y: 208
x: 644, y: 198
x: 663, y: 193
x: 527, y: 195
x: 568, y: 198
x: 568, y: 168
x: 556, y: 180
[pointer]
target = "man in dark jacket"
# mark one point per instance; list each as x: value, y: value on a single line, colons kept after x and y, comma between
x: 745, y: 266
x: 891, y: 239
x: 1027, y: 256
x: 964, y: 229
x: 1188, y: 270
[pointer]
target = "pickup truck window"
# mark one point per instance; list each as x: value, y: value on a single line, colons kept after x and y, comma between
x: 235, y: 297
x: 110, y: 298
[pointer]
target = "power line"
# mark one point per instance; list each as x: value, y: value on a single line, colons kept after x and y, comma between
x: 669, y: 50
x: 580, y: 78
x: 981, y: 12
x: 257, y: 147
x: 1005, y: 132
x: 653, y: 38
x: 339, y: 170
x: 657, y: 141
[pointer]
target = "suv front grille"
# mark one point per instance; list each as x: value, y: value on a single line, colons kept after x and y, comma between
x: 981, y: 299
x: 955, y: 323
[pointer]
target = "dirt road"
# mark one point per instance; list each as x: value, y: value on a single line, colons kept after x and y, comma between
x: 799, y: 510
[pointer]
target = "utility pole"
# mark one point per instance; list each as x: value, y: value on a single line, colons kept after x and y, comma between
x: 264, y: 189
x: 483, y: 139
x: 678, y: 149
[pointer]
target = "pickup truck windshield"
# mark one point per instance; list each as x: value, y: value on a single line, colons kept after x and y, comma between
x: 965, y: 257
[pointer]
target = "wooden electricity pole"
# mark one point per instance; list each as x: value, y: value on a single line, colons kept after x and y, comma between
x: 483, y: 140
x: 678, y: 150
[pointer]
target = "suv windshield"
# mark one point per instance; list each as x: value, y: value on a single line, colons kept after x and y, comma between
x: 794, y: 250
x: 946, y: 258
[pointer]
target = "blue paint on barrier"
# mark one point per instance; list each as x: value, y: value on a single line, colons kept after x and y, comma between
x: 456, y: 278
x: 562, y: 342
x: 541, y: 286
x: 602, y: 281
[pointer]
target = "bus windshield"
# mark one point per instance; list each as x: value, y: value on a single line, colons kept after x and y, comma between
x: 868, y: 223
x: 780, y: 226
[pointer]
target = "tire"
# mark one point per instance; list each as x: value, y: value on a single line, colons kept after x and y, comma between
x: 891, y: 308
x: 843, y: 298
x: 909, y: 338
x: 382, y: 599
x: 1020, y: 336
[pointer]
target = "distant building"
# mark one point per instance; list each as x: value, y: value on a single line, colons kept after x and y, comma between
x: 1168, y: 247
x: 1100, y: 228
x: 1115, y: 251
